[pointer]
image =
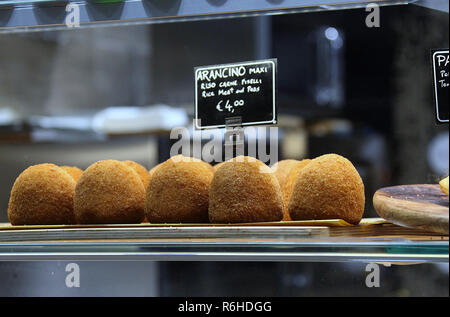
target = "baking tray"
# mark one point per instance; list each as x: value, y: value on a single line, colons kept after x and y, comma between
x: 169, y: 232
x: 303, y: 223
x: 260, y: 230
x: 264, y: 230
x: 368, y: 228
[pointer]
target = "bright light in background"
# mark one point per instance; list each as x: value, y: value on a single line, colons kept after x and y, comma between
x: 332, y: 34
x: 438, y: 154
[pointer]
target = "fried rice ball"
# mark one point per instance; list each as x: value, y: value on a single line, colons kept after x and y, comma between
x: 211, y: 168
x: 153, y: 170
x: 244, y: 189
x: 288, y: 185
x: 150, y: 174
x: 109, y: 192
x: 282, y: 168
x: 329, y: 187
x: 73, y: 171
x: 217, y: 166
x: 140, y: 170
x: 178, y: 191
x: 42, y: 195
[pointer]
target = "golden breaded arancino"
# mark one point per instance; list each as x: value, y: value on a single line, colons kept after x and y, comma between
x: 281, y: 170
x: 288, y: 185
x: 42, y: 195
x: 244, y: 189
x: 73, y: 171
x: 141, y: 171
x: 178, y: 191
x: 217, y: 166
x: 329, y: 187
x: 109, y: 191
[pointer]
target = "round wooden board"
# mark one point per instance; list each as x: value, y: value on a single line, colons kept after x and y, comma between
x: 414, y: 206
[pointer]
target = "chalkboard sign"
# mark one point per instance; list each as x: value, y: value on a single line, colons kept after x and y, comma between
x: 244, y: 91
x: 441, y: 84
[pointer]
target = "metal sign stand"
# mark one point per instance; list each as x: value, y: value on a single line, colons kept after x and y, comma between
x: 234, y: 137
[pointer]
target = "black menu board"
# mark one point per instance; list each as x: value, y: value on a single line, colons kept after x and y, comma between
x: 244, y: 91
x: 441, y: 84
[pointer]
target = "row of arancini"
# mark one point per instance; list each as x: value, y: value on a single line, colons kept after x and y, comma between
x: 188, y: 190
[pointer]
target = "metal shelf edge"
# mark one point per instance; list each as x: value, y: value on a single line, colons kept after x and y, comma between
x: 225, y: 256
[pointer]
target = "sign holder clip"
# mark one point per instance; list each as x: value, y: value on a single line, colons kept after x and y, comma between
x: 234, y: 137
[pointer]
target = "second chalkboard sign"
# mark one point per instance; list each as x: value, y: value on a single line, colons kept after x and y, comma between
x: 441, y: 84
x: 246, y: 91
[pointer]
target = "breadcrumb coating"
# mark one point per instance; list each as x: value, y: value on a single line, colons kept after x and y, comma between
x: 217, y: 166
x: 329, y: 187
x: 42, y: 195
x: 178, y: 191
x: 245, y: 190
x: 73, y: 171
x: 153, y: 169
x: 288, y: 185
x: 141, y: 171
x: 150, y: 173
x: 281, y: 170
x: 109, y: 191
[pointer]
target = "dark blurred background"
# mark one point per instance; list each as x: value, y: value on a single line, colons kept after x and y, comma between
x: 364, y: 93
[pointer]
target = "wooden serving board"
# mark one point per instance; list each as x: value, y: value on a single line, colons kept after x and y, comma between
x: 414, y: 206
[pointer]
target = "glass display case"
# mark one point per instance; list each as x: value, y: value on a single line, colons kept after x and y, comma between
x: 85, y: 81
